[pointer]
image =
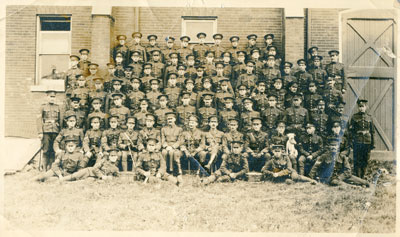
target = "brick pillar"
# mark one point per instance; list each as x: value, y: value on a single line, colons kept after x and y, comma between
x: 101, y: 33
x: 294, y: 34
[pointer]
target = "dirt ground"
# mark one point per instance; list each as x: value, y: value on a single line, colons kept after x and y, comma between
x: 263, y: 207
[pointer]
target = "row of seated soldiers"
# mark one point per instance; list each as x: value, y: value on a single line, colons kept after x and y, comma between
x: 208, y: 148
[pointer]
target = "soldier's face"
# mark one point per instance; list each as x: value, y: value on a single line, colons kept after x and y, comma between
x: 317, y: 63
x: 236, y: 149
x: 272, y: 102
x: 271, y: 62
x: 248, y: 105
x: 185, y: 44
x: 163, y: 102
x: 362, y: 108
x: 207, y: 85
x: 312, y: 89
x: 118, y: 59
x: 310, y: 130
x: 111, y: 70
x: 181, y: 72
x: 84, y: 56
x: 135, y: 84
x: 296, y: 101
x: 340, y: 109
x: 156, y: 57
x: 149, y: 122
x: 98, y: 86
x: 217, y: 41
x: 147, y: 71
x: 171, y: 120
x: 333, y: 148
x: 154, y: 86
x: 261, y: 88
x: 224, y: 87
x: 268, y: 41
x: 249, y: 69
x: 95, y: 124
x: 202, y: 40
x: 302, y: 67
x: 135, y: 58
x: 152, y: 42
x: 210, y: 58
x: 70, y: 147
x: 256, y: 125
x: 255, y: 55
x: 117, y: 86
x: 113, y: 157
x: 278, y: 85
x: 51, y: 99
x: 233, y: 126
x: 117, y: 101
x: 321, y: 107
x: 172, y: 81
x: 234, y: 44
x: 241, y: 58
x: 174, y: 60
x: 75, y: 104
x: 227, y: 59
x: 331, y: 83
x: 281, y: 129
x: 73, y: 62
x: 272, y: 51
x: 128, y: 74
x: 143, y: 105
x: 151, y: 146
x: 334, y: 57
x: 220, y: 70
x: 186, y: 100
x: 170, y: 44
x: 207, y: 102
x: 136, y: 40
x: 277, y: 152
x: 200, y: 73
x: 213, y: 123
x: 190, y: 62
x: 336, y: 129
x: 113, y: 122
x: 287, y: 70
x: 242, y: 91
x: 96, y: 106
x: 228, y: 104
x: 192, y: 124
x: 293, y: 89
x: 93, y: 70
x: 252, y: 42
x: 71, y: 122
x: 121, y: 42
x: 189, y: 86
x: 131, y: 124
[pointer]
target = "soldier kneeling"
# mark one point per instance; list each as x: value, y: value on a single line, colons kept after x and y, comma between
x: 66, y: 162
x: 105, y: 168
x: 233, y: 167
x: 151, y: 166
x: 279, y: 168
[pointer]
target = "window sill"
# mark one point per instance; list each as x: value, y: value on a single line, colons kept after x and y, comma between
x: 57, y: 85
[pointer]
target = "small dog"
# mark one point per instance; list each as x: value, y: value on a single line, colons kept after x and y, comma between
x: 290, y: 146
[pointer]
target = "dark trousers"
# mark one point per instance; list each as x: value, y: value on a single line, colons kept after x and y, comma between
x: 361, y: 154
x: 48, y: 152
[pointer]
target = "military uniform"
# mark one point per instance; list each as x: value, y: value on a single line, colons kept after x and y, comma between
x: 212, y: 147
x: 319, y: 75
x: 303, y: 78
x: 136, y: 46
x: 109, y: 139
x: 309, y: 145
x: 362, y: 131
x: 257, y: 145
x: 150, y: 48
x: 225, y: 116
x: 153, y: 96
x: 91, y: 144
x: 165, y: 52
x: 173, y: 96
x: 137, y: 68
x: 147, y: 133
x: 133, y: 98
x: 296, y: 118
x: 122, y: 49
x: 83, y: 94
x: 161, y: 116
x: 269, y: 74
x: 199, y: 50
x: 337, y: 70
x: 270, y: 117
x: 183, y: 52
x: 153, y: 163
x: 170, y: 135
x: 121, y: 112
x: 48, y: 124
x: 184, y: 112
x: 311, y: 101
x: 234, y: 50
x: 204, y: 114
x: 128, y: 144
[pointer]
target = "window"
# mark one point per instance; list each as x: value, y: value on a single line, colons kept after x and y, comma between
x: 53, y: 48
x: 191, y: 25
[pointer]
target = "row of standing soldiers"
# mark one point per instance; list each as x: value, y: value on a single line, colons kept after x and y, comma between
x: 197, y: 108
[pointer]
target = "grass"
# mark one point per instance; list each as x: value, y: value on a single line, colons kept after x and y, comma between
x: 119, y: 205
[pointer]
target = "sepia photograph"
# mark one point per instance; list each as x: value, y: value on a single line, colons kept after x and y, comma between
x: 257, y: 117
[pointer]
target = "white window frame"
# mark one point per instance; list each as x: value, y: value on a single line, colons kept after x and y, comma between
x: 190, y: 19
x: 54, y: 84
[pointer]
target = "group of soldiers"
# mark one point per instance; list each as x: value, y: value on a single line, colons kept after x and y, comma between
x: 220, y: 112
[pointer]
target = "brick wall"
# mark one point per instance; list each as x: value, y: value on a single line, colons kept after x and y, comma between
x: 101, y: 39
x: 21, y: 105
x: 323, y: 30
x: 294, y: 39
x: 231, y: 21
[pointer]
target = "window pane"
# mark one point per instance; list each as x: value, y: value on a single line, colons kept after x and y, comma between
x: 55, y: 23
x: 54, y: 43
x: 192, y: 28
x: 53, y: 66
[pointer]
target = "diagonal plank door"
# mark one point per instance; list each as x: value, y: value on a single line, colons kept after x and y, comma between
x: 368, y: 51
